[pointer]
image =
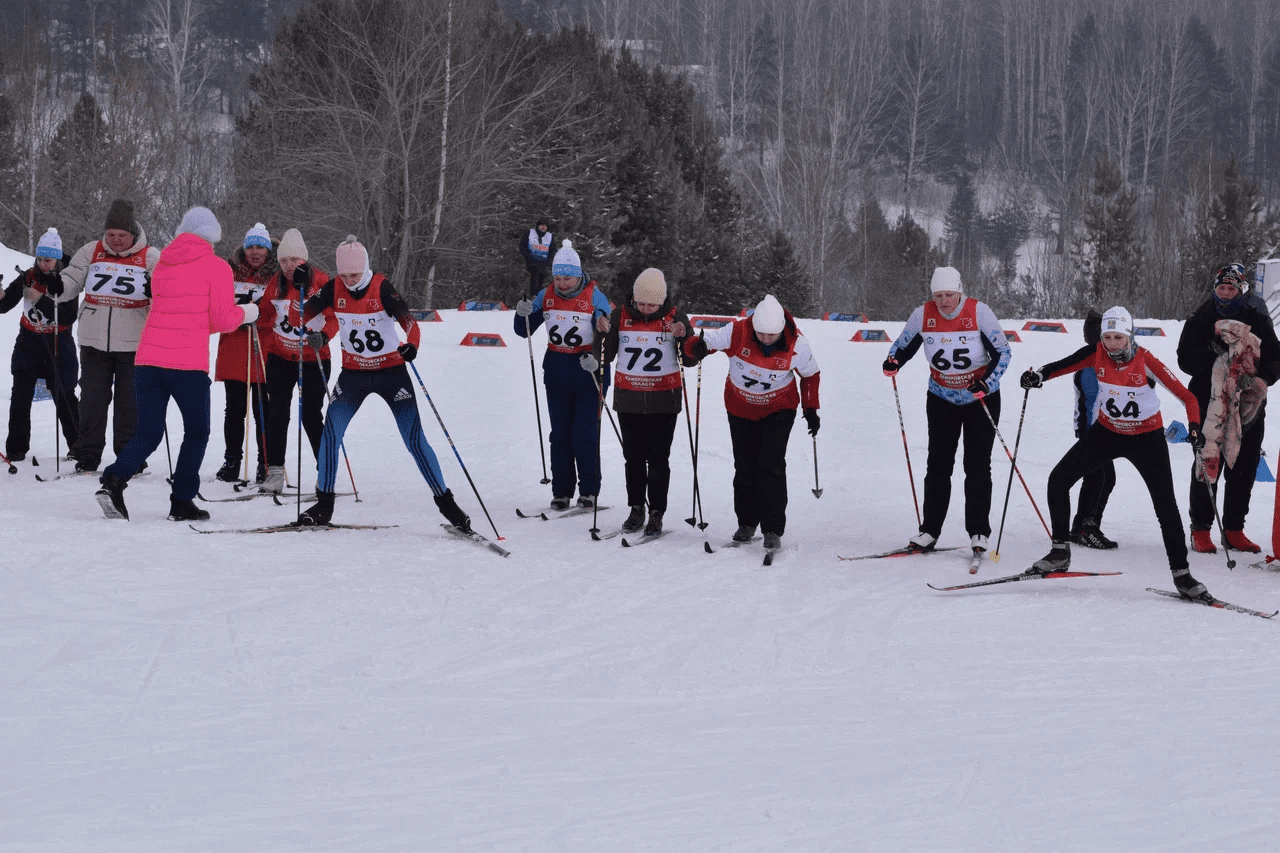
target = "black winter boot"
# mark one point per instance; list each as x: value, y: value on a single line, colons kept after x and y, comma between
x: 319, y: 513
x: 744, y: 533
x: 111, y: 497
x: 635, y: 520
x: 654, y: 527
x: 229, y: 472
x: 186, y: 511
x: 449, y: 509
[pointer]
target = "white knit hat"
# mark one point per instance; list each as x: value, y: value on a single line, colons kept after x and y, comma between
x: 201, y: 222
x: 650, y: 287
x: 946, y: 279
x: 769, y: 318
x: 1117, y: 319
x: 351, y: 256
x: 566, y: 261
x: 50, y: 245
x: 257, y: 236
x: 292, y: 245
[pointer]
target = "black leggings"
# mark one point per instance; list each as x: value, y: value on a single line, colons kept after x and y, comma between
x: 282, y: 378
x: 1149, y: 453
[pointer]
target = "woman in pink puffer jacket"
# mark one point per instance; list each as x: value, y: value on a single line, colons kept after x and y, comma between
x: 192, y: 297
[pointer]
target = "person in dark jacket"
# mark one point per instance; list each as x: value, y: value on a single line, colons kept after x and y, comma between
x: 535, y: 247
x: 1097, y: 484
x: 572, y: 308
x: 48, y: 314
x: 645, y: 338
x: 1199, y: 347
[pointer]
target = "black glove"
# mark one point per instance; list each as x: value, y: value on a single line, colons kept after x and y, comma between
x: 890, y: 366
x: 1194, y: 436
x: 812, y: 419
x: 978, y: 388
x: 302, y: 276
x: 52, y: 282
x: 1031, y: 379
x: 699, y: 349
x: 316, y: 340
x: 407, y: 351
x: 1218, y: 345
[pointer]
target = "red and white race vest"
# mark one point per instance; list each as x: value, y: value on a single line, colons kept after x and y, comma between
x: 954, y: 347
x: 33, y: 320
x: 759, y: 379
x: 367, y: 332
x: 251, y: 289
x: 570, y: 322
x: 117, y: 281
x: 1126, y: 401
x: 647, y: 358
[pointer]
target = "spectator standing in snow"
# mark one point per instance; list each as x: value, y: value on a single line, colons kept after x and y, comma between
x: 241, y: 360
x: 645, y: 337
x: 535, y: 248
x: 967, y: 354
x: 193, y: 296
x: 48, y: 314
x: 761, y: 396
x: 1201, y: 346
x: 576, y: 382
x: 113, y: 273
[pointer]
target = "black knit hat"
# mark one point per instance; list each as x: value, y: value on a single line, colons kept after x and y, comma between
x: 121, y: 216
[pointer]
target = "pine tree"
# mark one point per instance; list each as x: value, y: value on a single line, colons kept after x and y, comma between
x: 963, y: 227
x: 79, y: 156
x: 1109, y: 258
x: 1233, y: 226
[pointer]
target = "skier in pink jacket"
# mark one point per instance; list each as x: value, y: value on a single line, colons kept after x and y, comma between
x: 192, y: 297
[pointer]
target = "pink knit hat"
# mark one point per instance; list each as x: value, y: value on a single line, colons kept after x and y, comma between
x: 352, y: 257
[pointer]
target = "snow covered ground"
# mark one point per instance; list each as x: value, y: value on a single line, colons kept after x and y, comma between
x: 401, y: 690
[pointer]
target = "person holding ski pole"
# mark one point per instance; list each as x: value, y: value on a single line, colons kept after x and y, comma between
x: 967, y: 354
x: 45, y: 348
x: 290, y: 353
x: 761, y: 396
x: 1218, y: 373
x: 572, y: 307
x: 371, y: 317
x: 1129, y: 426
x: 239, y: 363
x: 645, y: 337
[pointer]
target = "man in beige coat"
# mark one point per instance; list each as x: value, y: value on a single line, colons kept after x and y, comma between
x: 113, y: 273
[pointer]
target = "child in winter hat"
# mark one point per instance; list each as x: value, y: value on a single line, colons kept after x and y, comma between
x: 650, y: 287
x: 120, y: 216
x: 50, y: 245
x: 292, y: 245
x: 201, y: 222
x: 352, y: 257
x: 257, y: 236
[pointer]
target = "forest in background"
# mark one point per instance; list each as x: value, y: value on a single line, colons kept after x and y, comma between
x: 1061, y: 154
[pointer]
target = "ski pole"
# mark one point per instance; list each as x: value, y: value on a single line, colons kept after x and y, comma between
x: 903, y: 427
x: 692, y: 520
x: 1213, y: 497
x: 817, y: 490
x: 248, y: 404
x: 982, y: 398
x: 600, y: 406
x: 696, y: 511
x: 448, y: 437
x: 995, y: 555
x: 342, y: 444
x: 537, y: 407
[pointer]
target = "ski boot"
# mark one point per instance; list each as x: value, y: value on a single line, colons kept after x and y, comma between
x: 1057, y: 560
x: 319, y: 513
x: 635, y: 520
x: 450, y: 510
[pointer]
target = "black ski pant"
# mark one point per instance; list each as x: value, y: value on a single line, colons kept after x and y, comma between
x: 1095, y: 490
x: 33, y: 360
x: 646, y: 452
x: 947, y: 421
x: 104, y: 376
x: 234, y: 419
x: 760, y: 470
x: 1149, y: 453
x: 1237, y: 479
x: 282, y: 378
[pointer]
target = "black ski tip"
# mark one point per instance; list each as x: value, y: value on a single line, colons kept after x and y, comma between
x: 626, y: 544
x: 35, y: 463
x: 768, y: 558
x: 595, y: 534
x: 276, y: 499
x: 708, y: 548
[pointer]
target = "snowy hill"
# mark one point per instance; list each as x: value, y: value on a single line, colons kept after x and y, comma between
x: 401, y: 690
